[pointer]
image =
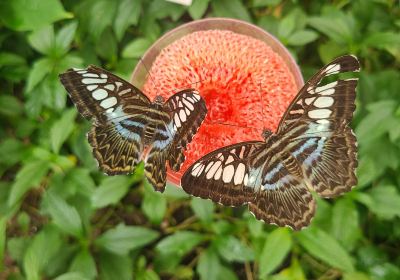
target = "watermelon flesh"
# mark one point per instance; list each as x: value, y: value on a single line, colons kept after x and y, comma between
x: 246, y: 85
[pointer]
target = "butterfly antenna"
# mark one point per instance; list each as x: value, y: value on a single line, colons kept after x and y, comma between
x: 148, y: 72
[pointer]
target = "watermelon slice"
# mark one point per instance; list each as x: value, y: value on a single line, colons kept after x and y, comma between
x: 246, y: 85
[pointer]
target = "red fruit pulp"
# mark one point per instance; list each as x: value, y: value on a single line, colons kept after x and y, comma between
x: 246, y: 85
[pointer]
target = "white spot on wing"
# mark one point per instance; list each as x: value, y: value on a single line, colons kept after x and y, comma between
x: 104, y: 76
x: 327, y: 86
x: 218, y: 173
x: 109, y: 87
x: 246, y: 180
x: 88, y: 81
x: 122, y: 92
x: 177, y: 120
x: 332, y: 69
x: 323, y: 102
x: 99, y: 94
x: 229, y: 160
x: 328, y: 91
x: 213, y: 169
x: 319, y: 114
x: 109, y: 102
x: 182, y: 115
x: 92, y: 87
x: 228, y: 173
x: 239, y: 174
x: 90, y: 75
x: 309, y: 100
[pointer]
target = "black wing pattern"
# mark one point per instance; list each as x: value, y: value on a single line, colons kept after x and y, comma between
x: 314, y: 149
x: 186, y: 111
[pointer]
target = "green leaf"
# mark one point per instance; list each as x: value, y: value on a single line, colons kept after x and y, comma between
x: 208, y: 265
x: 302, y: 37
x: 154, y: 204
x: 180, y: 242
x: 64, y: 38
x: 203, y: 209
x: 388, y: 41
x: 40, y: 69
x: 277, y: 246
x: 286, y: 26
x: 61, y: 129
x: 356, y: 276
x: 101, y: 15
x: 115, y: 267
x: 3, y: 223
x: 232, y: 249
x: 72, y: 276
x: 42, y: 39
x: 230, y: 8
x: 128, y: 13
x: 65, y: 216
x: 84, y: 264
x: 13, y: 108
x: 123, y: 239
x: 324, y: 247
x: 30, y: 175
x: 111, y: 190
x: 21, y: 15
x: 384, y: 201
x: 40, y: 251
x: 345, y: 225
x: 198, y: 8
x: 136, y: 48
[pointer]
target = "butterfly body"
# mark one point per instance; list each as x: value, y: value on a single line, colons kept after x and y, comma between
x: 129, y: 128
x: 313, y: 151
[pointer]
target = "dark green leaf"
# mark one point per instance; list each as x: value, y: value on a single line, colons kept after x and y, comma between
x: 61, y: 129
x: 384, y: 201
x: 65, y: 216
x: 42, y: 39
x: 203, y: 209
x: 324, y: 247
x: 232, y: 249
x: 72, y: 276
x: 111, y: 190
x: 128, y: 13
x: 198, y: 8
x: 345, y: 224
x: 64, y: 38
x: 40, y: 69
x: 115, y: 267
x: 209, y: 265
x: 230, y: 8
x: 302, y: 37
x: 276, y: 248
x: 181, y: 242
x: 30, y: 175
x: 84, y: 264
x: 154, y: 204
x: 13, y: 108
x: 123, y: 238
x: 136, y: 48
x: 22, y: 16
x: 3, y: 223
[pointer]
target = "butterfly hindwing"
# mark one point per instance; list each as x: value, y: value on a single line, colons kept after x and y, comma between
x: 187, y: 111
x: 223, y: 175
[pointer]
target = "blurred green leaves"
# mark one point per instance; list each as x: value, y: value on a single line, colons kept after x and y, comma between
x: 63, y: 219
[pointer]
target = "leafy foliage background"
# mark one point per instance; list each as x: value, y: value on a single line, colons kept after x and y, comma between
x: 60, y: 218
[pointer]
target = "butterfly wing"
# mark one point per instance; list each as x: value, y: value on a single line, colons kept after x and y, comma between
x: 315, y: 129
x: 186, y: 111
x: 224, y: 174
x: 117, y: 108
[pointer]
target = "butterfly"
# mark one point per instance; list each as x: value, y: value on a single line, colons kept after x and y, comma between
x: 313, y: 150
x: 128, y: 128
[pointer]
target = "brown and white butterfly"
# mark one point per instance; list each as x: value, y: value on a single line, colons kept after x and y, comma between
x: 128, y: 127
x: 313, y: 150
